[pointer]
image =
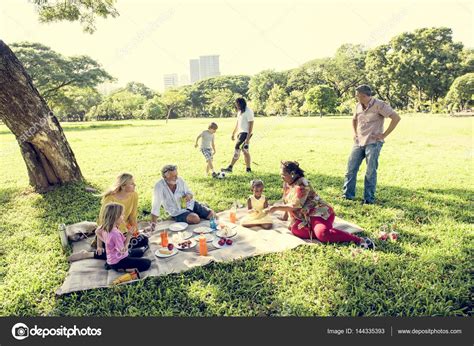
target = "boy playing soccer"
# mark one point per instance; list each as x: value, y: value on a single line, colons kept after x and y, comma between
x: 208, y: 148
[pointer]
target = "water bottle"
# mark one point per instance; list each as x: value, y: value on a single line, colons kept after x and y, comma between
x: 213, y: 224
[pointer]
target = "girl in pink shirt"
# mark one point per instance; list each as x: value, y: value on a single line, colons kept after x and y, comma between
x: 116, y: 244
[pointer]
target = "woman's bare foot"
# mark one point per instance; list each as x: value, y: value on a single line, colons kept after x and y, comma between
x: 83, y: 254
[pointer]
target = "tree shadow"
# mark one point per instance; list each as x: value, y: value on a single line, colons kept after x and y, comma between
x: 201, y: 291
x: 257, y: 286
x: 419, y: 206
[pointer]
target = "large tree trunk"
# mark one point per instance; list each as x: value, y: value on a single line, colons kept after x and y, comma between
x: 47, y: 154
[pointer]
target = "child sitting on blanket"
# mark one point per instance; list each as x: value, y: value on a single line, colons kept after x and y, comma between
x: 116, y: 244
x: 256, y: 203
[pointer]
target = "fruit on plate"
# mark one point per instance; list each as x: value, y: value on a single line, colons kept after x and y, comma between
x: 225, y: 231
x: 185, y: 244
x: 165, y: 251
x: 228, y: 241
x: 170, y: 247
x: 221, y: 242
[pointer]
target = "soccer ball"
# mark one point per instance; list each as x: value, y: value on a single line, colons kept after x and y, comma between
x: 221, y: 175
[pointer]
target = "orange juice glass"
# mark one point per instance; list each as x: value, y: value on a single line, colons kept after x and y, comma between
x: 202, y: 246
x: 233, y: 216
x: 164, y: 238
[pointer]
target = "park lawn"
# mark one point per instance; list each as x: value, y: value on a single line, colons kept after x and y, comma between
x: 424, y: 190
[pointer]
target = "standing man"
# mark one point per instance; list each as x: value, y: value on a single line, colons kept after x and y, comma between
x: 245, y: 126
x: 369, y: 137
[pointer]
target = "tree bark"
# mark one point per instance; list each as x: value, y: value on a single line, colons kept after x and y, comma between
x: 48, y: 157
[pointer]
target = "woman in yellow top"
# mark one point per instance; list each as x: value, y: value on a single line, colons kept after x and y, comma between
x: 256, y: 203
x: 122, y: 192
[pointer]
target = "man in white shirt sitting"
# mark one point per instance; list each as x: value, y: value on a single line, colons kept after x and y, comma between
x: 245, y: 126
x: 173, y: 194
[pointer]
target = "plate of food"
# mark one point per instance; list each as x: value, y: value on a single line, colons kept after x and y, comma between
x: 178, y: 226
x: 186, y: 234
x: 168, y: 251
x: 176, y: 237
x: 222, y: 243
x: 202, y: 230
x: 186, y: 244
x: 226, y: 232
x: 209, y: 237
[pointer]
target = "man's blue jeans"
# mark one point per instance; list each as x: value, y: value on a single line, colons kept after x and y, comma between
x: 371, y: 154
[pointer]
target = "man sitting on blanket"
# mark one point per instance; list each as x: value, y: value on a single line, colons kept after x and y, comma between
x: 177, y: 199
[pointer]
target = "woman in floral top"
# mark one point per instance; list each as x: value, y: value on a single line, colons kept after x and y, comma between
x: 310, y: 216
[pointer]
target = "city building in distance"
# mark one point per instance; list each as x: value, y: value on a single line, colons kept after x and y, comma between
x: 170, y: 80
x: 204, y: 67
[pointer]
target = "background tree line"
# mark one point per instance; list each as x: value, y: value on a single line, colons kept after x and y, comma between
x: 420, y: 71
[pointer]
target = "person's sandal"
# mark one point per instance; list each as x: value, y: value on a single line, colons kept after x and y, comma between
x: 367, y: 244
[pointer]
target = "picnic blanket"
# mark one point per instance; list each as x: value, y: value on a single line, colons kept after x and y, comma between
x: 91, y: 273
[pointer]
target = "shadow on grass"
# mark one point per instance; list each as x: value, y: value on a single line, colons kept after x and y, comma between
x: 420, y: 206
x: 318, y: 280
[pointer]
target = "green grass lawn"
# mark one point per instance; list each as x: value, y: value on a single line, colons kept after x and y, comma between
x: 424, y: 188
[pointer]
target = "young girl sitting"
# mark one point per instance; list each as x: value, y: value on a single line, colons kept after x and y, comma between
x: 116, y: 244
x: 256, y: 203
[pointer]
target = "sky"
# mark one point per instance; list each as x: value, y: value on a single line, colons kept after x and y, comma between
x: 151, y: 38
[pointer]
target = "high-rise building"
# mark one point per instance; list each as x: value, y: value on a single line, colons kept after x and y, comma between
x: 209, y: 66
x: 194, y: 70
x: 170, y: 80
x: 204, y: 67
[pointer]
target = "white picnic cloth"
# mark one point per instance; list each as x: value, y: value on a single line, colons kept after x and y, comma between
x: 90, y: 273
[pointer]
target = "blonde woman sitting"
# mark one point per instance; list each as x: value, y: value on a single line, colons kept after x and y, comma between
x: 256, y: 203
x: 121, y: 192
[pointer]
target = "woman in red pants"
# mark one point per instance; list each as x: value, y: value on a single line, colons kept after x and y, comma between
x: 310, y: 216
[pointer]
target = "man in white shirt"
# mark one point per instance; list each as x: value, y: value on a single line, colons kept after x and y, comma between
x: 171, y: 192
x: 245, y: 127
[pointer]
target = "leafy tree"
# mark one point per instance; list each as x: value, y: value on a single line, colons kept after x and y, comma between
x: 276, y: 101
x: 121, y: 105
x: 84, y: 11
x: 306, y: 76
x: 238, y: 84
x: 260, y: 86
x: 381, y: 75
x: 295, y: 101
x: 140, y: 89
x: 346, y: 106
x: 49, y: 159
x: 173, y: 100
x: 461, y: 92
x: 221, y: 102
x: 198, y: 94
x: 467, y: 61
x: 420, y: 64
x: 76, y: 103
x: 321, y: 99
x: 345, y: 70
x: 51, y: 71
x: 154, y: 109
